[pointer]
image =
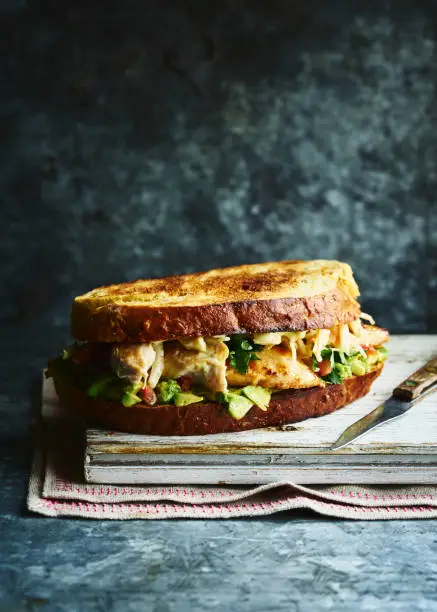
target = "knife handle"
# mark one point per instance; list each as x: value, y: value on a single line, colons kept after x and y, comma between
x: 416, y: 384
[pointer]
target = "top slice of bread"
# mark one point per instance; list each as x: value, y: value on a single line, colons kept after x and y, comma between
x: 275, y: 296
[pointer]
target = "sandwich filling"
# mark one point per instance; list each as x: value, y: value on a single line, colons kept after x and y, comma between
x: 238, y: 371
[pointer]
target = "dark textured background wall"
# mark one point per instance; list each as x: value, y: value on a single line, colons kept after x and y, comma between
x: 148, y: 138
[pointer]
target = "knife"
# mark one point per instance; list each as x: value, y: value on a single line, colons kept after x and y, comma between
x: 405, y: 396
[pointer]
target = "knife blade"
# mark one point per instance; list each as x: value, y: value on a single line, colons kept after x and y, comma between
x: 406, y: 395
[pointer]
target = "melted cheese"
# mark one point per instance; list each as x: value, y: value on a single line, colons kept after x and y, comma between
x: 268, y: 339
x: 195, y: 344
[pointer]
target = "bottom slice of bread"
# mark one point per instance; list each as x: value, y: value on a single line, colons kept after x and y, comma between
x: 210, y: 418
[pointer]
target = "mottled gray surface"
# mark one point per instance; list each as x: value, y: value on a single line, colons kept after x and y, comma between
x: 153, y: 138
x: 146, y: 138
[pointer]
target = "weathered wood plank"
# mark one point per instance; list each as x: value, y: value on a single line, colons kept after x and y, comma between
x: 372, y: 474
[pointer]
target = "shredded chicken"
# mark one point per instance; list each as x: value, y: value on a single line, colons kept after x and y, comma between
x: 276, y: 368
x: 368, y: 335
x: 206, y: 367
x: 283, y: 363
x: 321, y: 340
x: 374, y: 336
x: 132, y: 361
x: 157, y: 366
x: 342, y: 339
x: 367, y: 317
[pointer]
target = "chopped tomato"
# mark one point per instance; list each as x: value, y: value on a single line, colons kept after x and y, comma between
x: 369, y: 348
x: 325, y: 367
x: 148, y: 395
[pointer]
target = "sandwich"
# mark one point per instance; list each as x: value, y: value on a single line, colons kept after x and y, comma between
x: 226, y: 350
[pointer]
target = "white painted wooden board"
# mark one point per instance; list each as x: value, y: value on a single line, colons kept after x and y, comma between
x: 404, y: 451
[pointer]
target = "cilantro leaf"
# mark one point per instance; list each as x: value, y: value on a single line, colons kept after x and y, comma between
x: 239, y: 360
x: 242, y: 350
x: 334, y: 378
x: 246, y: 345
x: 334, y: 355
x: 326, y: 353
x: 339, y: 373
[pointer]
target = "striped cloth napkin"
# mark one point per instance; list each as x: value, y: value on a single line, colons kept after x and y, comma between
x: 57, y: 488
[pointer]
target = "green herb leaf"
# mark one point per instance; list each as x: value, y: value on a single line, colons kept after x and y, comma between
x: 239, y: 360
x: 334, y: 378
x: 246, y: 345
x: 242, y: 350
x: 326, y: 353
x: 338, y: 374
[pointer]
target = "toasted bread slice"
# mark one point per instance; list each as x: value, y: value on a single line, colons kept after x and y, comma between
x: 209, y: 418
x: 285, y: 295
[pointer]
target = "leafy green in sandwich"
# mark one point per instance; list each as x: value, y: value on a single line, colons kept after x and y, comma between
x: 342, y: 365
x: 242, y: 350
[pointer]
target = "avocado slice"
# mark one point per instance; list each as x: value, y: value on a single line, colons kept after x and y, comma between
x: 167, y: 390
x: 383, y: 353
x: 258, y: 395
x: 380, y: 354
x: 238, y: 405
x: 99, y: 386
x: 184, y: 398
x: 130, y: 399
x: 358, y: 365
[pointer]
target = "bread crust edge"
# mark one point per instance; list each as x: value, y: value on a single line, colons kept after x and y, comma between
x: 127, y: 323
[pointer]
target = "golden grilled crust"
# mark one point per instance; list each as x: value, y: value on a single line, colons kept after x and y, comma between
x: 286, y: 295
x: 209, y: 418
